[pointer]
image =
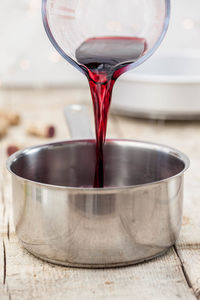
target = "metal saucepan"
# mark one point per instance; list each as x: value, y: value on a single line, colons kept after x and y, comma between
x: 60, y: 218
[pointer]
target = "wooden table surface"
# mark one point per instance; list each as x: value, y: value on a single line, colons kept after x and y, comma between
x: 175, y: 275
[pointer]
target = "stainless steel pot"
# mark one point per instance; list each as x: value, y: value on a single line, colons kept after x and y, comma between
x: 60, y: 218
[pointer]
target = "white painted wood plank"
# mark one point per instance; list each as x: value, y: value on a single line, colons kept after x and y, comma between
x: 190, y: 257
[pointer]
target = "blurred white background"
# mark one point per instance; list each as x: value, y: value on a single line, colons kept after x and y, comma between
x: 27, y: 58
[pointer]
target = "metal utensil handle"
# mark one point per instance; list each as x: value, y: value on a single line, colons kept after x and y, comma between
x: 78, y: 121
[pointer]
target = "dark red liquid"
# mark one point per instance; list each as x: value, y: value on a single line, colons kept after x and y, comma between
x: 105, y: 59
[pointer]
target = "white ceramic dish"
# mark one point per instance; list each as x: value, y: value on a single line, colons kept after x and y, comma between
x: 165, y: 87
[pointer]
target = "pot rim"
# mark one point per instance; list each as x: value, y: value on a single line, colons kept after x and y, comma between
x: 172, y: 151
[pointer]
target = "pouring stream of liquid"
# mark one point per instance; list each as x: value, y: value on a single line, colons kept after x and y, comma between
x: 105, y: 59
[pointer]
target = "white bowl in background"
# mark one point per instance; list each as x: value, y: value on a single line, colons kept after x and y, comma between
x: 167, y: 86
